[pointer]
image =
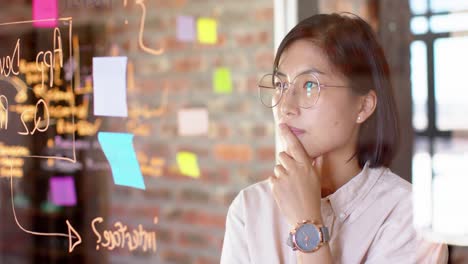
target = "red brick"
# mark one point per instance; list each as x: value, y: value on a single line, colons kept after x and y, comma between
x: 252, y: 38
x: 220, y: 131
x: 259, y: 131
x: 264, y: 60
x: 261, y: 175
x: 198, y: 240
x: 194, y: 195
x: 233, y: 153
x: 173, y: 44
x: 143, y: 212
x: 173, y: 4
x: 211, y: 175
x: 215, y: 175
x: 187, y: 64
x: 201, y: 152
x: 204, y: 219
x: 163, y: 194
x: 264, y: 14
x: 206, y: 260
x: 266, y: 153
x: 175, y: 257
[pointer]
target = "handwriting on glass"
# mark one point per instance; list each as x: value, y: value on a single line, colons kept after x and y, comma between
x: 123, y: 237
x: 3, y: 112
x: 46, y: 60
x: 7, y: 65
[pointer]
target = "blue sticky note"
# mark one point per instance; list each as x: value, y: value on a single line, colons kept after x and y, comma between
x: 110, y: 86
x: 119, y: 151
x: 62, y: 190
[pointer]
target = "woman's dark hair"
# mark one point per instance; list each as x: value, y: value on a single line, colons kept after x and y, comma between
x: 352, y: 48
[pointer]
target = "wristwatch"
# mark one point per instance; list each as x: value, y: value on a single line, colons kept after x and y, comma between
x: 308, y: 236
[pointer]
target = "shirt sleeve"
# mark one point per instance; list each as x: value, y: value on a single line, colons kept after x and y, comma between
x: 235, y: 249
x: 398, y: 242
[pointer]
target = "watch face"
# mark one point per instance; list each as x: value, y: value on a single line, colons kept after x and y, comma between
x: 307, y: 237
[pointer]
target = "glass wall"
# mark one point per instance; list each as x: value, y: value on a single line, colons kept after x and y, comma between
x: 127, y: 127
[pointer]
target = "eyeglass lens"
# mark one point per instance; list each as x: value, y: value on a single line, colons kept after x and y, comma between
x: 306, y: 89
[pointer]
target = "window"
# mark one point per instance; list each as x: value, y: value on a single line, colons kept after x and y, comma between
x: 439, y: 63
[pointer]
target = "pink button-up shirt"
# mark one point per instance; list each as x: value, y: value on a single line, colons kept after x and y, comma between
x: 369, y: 220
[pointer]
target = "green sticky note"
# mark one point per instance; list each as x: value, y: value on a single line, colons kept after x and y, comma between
x: 207, y: 30
x: 48, y: 207
x: 188, y: 164
x: 222, y: 81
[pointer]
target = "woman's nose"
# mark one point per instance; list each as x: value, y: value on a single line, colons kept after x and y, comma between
x: 288, y: 104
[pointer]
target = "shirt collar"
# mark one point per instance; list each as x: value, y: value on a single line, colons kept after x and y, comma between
x: 347, y: 197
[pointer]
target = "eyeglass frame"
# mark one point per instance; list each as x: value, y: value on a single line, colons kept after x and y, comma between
x: 310, y: 71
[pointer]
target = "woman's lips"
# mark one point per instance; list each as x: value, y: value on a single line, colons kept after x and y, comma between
x: 296, y: 131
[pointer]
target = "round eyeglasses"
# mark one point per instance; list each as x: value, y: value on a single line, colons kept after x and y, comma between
x: 272, y: 88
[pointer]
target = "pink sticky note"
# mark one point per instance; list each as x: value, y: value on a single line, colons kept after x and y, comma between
x: 185, y: 28
x: 193, y: 121
x: 62, y: 190
x: 45, y: 9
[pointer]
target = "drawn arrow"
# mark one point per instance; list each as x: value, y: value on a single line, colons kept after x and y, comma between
x: 159, y: 51
x: 72, y: 233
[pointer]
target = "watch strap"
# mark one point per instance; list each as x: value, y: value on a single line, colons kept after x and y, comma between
x: 325, y: 234
x: 290, y: 242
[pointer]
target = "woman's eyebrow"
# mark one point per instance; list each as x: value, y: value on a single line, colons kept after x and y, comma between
x: 311, y: 70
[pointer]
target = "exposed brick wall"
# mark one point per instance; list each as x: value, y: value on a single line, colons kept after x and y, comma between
x: 240, y: 139
x: 238, y: 149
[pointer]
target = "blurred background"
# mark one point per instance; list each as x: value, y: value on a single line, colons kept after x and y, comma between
x: 127, y: 127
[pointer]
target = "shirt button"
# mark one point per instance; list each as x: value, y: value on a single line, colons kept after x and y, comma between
x: 342, y: 215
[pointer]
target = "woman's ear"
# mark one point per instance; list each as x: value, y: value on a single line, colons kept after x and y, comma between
x: 368, y: 104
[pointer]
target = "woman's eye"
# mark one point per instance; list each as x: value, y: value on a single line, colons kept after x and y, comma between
x: 309, y: 85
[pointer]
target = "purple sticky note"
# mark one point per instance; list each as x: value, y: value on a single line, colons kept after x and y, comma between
x: 185, y: 28
x: 45, y: 13
x: 62, y: 190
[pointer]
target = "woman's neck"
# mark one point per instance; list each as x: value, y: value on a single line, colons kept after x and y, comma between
x: 336, y: 172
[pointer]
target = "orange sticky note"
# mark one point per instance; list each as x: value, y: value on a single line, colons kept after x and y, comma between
x: 207, y: 30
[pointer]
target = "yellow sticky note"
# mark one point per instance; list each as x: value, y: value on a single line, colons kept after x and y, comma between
x: 207, y: 30
x: 188, y: 164
x: 222, y: 81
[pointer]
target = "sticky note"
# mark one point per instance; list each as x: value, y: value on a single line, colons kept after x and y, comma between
x: 110, y: 86
x: 62, y: 190
x: 222, y: 81
x: 185, y: 28
x: 49, y: 207
x: 188, y: 164
x: 193, y: 121
x: 207, y: 30
x: 21, y: 201
x: 45, y: 9
x: 119, y: 151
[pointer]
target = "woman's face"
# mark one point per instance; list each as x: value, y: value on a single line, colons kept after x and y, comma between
x: 331, y: 124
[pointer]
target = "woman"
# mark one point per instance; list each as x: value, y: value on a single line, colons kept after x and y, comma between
x: 332, y: 198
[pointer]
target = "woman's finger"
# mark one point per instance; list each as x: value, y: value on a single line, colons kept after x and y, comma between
x: 294, y: 146
x: 318, y: 161
x: 280, y: 171
x: 287, y: 161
